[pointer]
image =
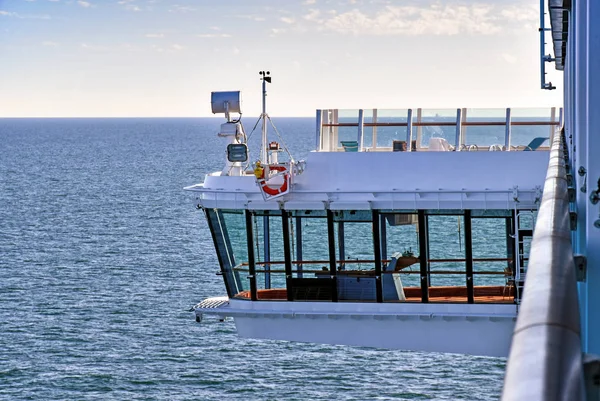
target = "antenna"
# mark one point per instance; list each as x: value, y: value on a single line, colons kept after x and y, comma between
x: 265, y: 77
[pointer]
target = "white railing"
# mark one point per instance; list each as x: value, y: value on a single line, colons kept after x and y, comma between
x: 463, y: 129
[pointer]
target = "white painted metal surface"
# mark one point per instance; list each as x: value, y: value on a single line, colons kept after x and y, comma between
x: 476, y: 329
x: 436, y: 180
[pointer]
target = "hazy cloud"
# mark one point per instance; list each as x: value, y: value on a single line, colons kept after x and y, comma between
x: 433, y: 19
x: 181, y: 9
x: 155, y: 35
x: 85, y: 4
x: 213, y: 35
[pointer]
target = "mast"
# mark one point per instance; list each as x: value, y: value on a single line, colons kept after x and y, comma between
x: 263, y: 150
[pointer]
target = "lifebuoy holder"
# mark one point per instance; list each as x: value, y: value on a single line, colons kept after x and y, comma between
x: 274, y: 190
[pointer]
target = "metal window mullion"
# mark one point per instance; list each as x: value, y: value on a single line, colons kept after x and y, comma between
x: 377, y: 254
x: 211, y: 228
x: 332, y: 263
x: 299, y: 245
x: 423, y: 256
x: 251, y: 261
x: 287, y: 253
x: 469, y: 257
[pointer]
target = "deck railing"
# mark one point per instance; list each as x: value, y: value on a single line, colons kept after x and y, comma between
x: 463, y: 129
x: 545, y: 360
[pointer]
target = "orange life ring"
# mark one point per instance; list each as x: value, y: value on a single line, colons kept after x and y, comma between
x: 279, y: 190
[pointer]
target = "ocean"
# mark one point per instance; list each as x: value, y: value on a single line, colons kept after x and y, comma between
x: 102, y: 254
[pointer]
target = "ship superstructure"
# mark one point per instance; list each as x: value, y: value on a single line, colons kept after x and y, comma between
x: 405, y: 229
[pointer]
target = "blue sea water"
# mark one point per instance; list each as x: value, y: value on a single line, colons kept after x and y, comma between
x: 102, y: 254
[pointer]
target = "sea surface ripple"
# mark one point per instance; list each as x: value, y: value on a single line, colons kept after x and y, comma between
x: 102, y: 254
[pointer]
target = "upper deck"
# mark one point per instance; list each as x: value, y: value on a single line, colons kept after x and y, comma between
x: 458, y: 159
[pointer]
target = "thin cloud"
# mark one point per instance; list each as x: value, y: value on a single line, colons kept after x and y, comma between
x: 84, y: 4
x: 155, y: 35
x: 287, y: 20
x: 214, y: 35
x: 49, y: 43
x: 181, y: 9
x: 434, y: 19
x: 23, y: 16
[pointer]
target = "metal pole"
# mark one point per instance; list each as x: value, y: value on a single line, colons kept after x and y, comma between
x: 409, y: 130
x: 469, y: 257
x: 263, y: 116
x: 251, y: 261
x: 267, y: 250
x: 377, y: 254
x: 287, y: 253
x: 299, y: 245
x: 458, y: 128
x: 361, y: 130
x: 332, y: 264
x: 423, y: 256
x: 508, y: 130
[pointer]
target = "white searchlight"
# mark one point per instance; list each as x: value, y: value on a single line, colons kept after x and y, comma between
x: 232, y: 131
x: 226, y: 102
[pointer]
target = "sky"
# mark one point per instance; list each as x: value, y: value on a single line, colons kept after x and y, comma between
x: 163, y: 58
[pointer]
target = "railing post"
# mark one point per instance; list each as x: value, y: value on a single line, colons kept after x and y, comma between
x: 458, y: 128
x: 409, y: 130
x: 419, y: 128
x: 333, y: 138
x: 374, y: 129
x: 361, y: 129
x: 463, y: 133
x: 319, y: 133
x: 508, y: 130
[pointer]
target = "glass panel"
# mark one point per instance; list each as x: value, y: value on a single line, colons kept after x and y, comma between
x: 487, y: 135
x: 525, y: 135
x: 423, y: 134
x: 229, y: 231
x: 400, y: 251
x: 356, y: 274
x: 387, y: 131
x: 270, y: 257
x: 446, y: 242
x: 490, y: 242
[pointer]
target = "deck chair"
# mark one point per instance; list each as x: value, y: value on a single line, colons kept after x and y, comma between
x: 392, y: 284
x: 535, y: 143
x: 350, y: 146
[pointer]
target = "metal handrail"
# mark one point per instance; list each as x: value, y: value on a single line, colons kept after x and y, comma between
x: 545, y: 360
